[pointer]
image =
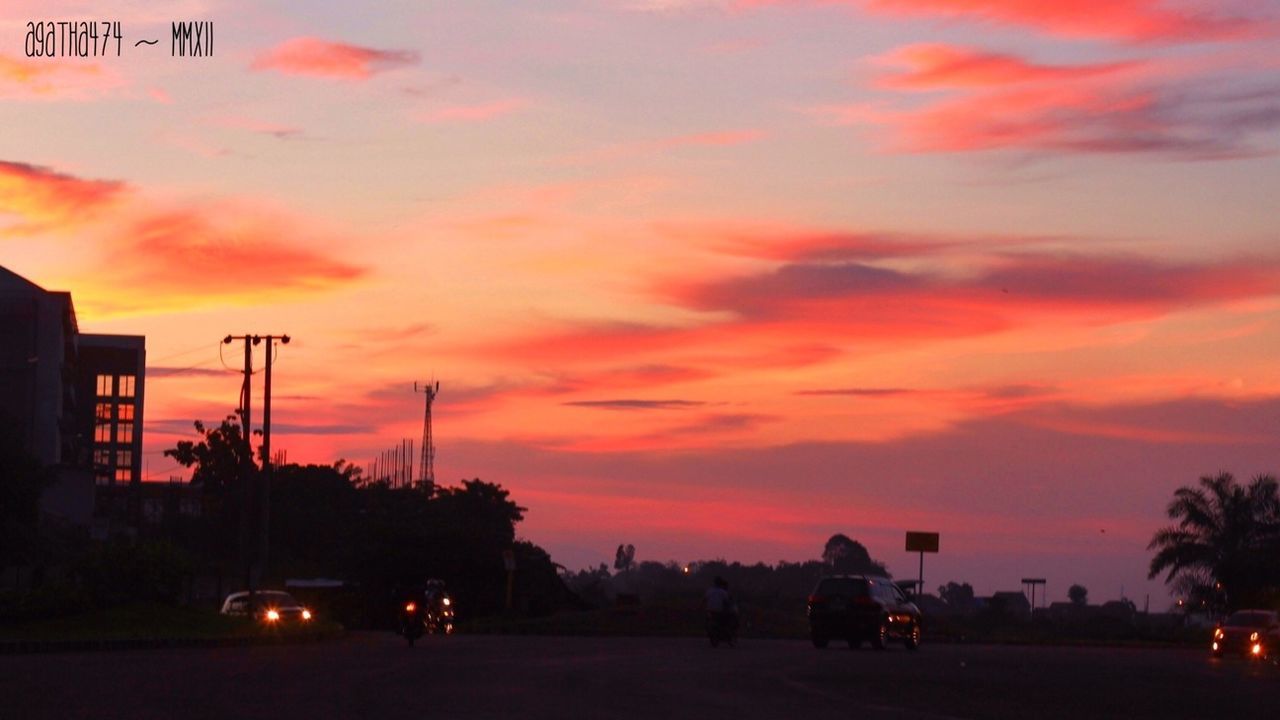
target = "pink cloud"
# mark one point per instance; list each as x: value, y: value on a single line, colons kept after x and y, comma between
x: 935, y: 66
x: 324, y: 58
x: 1141, y: 21
x: 482, y: 112
x: 997, y: 101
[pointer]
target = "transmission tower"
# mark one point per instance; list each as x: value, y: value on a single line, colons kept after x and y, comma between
x: 427, y: 466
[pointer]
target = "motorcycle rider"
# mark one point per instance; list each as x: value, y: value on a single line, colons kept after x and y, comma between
x: 722, y: 611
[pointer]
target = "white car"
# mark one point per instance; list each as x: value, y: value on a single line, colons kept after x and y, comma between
x: 270, y: 606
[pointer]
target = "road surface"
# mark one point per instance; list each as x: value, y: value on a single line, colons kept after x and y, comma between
x: 373, y: 675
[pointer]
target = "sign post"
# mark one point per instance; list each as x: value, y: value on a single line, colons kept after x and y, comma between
x: 509, y: 562
x: 921, y: 542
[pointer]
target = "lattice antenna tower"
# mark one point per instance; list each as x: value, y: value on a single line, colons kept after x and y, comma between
x: 427, y: 465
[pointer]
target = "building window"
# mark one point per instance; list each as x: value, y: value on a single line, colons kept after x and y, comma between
x: 124, y: 412
x: 124, y: 433
x: 104, y: 386
x: 123, y: 474
x: 102, y: 433
x: 103, y: 477
x: 124, y: 458
x: 125, y: 386
x: 102, y: 458
x: 102, y: 412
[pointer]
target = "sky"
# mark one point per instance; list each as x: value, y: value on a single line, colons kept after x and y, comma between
x: 716, y: 278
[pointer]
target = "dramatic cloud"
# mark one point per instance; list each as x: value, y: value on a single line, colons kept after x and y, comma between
x: 43, y: 197
x: 188, y: 254
x: 324, y: 58
x: 1143, y: 21
x: 997, y: 101
x: 197, y: 255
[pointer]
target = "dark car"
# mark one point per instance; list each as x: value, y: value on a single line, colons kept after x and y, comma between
x: 269, y: 606
x: 1252, y: 633
x: 862, y: 607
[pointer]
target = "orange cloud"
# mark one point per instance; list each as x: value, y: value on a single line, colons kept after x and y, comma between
x: 200, y: 255
x: 1142, y: 21
x: 46, y: 79
x: 323, y: 58
x: 43, y: 197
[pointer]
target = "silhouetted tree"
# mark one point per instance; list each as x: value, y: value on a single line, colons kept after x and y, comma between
x: 1078, y: 595
x: 846, y: 555
x: 624, y: 558
x: 959, y: 596
x: 1225, y: 529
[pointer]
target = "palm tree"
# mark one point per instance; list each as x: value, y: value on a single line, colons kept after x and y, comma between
x: 1225, y: 531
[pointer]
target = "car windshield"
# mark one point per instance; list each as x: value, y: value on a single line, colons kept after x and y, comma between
x: 849, y: 587
x: 276, y: 599
x: 1249, y: 619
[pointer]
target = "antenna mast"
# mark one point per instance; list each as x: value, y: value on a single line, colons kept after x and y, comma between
x: 427, y: 465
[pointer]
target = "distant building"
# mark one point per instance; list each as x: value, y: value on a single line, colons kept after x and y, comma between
x: 111, y: 378
x: 74, y: 399
x: 1009, y: 603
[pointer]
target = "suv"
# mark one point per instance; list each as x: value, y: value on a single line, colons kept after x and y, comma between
x: 862, y: 607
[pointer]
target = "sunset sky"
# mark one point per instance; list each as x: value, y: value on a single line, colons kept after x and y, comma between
x: 718, y: 278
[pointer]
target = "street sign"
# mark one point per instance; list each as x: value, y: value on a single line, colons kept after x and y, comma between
x: 923, y: 542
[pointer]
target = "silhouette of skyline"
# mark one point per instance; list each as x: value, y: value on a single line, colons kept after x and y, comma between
x: 717, y: 279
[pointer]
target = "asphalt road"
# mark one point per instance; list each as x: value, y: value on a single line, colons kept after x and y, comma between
x: 369, y: 675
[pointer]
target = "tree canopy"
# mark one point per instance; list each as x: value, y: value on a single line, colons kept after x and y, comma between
x: 1224, y: 532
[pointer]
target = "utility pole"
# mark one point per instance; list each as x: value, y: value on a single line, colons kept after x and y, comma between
x: 267, y: 464
x: 251, y: 490
x: 246, y: 461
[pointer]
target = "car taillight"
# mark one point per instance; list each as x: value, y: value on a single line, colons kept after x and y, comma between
x: 816, y: 599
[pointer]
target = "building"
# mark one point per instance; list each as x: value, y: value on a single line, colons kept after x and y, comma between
x: 111, y: 374
x: 75, y: 400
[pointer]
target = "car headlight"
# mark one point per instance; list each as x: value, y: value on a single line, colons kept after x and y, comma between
x: 1215, y: 645
x: 1257, y: 648
x: 1253, y: 637
x: 1217, y: 633
x: 306, y: 614
x: 272, y: 616
x: 447, y: 601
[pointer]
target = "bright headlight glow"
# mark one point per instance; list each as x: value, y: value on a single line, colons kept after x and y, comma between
x: 1253, y: 637
x: 1257, y: 648
x: 1217, y: 633
x: 447, y: 601
x: 410, y: 607
x: 1215, y: 646
x: 272, y: 615
x: 306, y: 614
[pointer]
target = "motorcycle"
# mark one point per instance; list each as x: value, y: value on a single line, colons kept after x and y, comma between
x: 412, y: 621
x: 722, y: 627
x: 438, y: 617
